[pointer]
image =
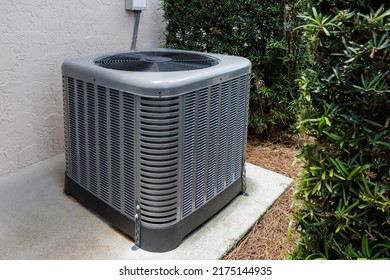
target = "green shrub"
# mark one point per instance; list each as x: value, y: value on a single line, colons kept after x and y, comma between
x: 256, y: 30
x: 343, y: 195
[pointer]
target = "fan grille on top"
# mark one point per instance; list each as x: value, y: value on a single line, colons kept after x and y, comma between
x: 156, y: 61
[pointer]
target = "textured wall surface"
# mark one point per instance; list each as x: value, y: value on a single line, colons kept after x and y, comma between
x: 35, y: 38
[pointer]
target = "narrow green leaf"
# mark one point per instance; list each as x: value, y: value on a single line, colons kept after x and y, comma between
x: 353, y: 172
x: 317, y: 187
x: 342, y: 167
x: 386, y: 144
x: 314, y: 168
x: 328, y: 187
x: 327, y: 33
x: 344, y: 195
x: 339, y: 176
x: 350, y: 207
x: 384, y: 247
x: 366, y: 186
x: 365, y: 247
x: 315, y: 12
x: 333, y: 136
x: 373, y: 123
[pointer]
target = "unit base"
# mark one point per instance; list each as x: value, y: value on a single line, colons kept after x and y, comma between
x: 153, y: 239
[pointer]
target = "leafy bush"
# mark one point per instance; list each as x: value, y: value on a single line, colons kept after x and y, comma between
x: 343, y: 195
x: 256, y: 30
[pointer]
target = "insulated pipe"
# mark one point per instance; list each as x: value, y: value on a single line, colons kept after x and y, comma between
x: 136, y: 26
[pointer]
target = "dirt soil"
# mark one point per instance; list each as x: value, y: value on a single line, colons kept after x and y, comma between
x: 267, y: 240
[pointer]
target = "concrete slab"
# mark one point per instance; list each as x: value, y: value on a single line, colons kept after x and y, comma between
x: 37, y: 221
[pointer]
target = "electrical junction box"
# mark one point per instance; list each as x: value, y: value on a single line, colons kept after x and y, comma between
x: 135, y: 5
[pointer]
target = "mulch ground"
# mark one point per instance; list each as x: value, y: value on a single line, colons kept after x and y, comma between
x: 267, y: 240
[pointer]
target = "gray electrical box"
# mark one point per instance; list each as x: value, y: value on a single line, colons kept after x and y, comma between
x: 135, y: 5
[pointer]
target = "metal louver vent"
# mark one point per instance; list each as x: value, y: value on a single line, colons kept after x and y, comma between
x: 159, y: 151
x: 213, y: 143
x: 100, y: 142
x: 156, y: 61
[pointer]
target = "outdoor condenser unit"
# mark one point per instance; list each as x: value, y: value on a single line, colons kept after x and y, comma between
x: 155, y: 139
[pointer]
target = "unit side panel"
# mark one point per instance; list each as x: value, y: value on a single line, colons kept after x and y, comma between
x: 100, y: 142
x: 214, y: 133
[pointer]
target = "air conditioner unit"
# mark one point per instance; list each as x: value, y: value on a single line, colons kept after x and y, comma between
x: 155, y: 139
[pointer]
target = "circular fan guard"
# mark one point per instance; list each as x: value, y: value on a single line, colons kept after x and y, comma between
x: 157, y: 61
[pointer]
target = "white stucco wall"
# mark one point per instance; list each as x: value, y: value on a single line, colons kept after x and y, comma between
x: 36, y: 36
